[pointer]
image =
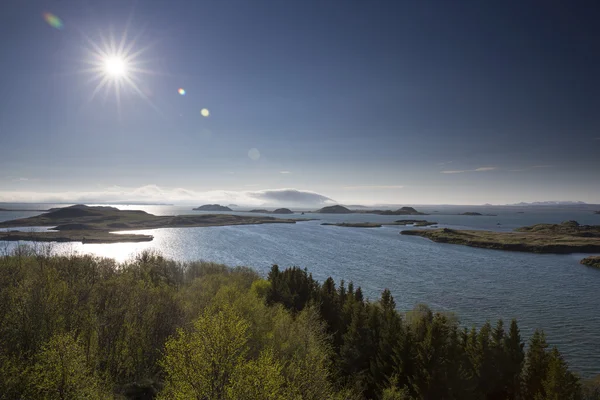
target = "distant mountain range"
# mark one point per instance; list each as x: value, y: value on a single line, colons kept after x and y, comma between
x: 550, y: 203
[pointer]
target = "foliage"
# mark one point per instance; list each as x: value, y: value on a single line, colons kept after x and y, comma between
x: 87, y: 327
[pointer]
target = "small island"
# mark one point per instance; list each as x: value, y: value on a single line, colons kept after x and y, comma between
x: 81, y: 223
x: 476, y: 214
x: 354, y: 224
x: 337, y: 209
x: 567, y: 237
x: 282, y: 211
x: 400, y: 211
x: 591, y: 261
x: 597, y: 212
x: 259, y: 210
x: 334, y: 210
x: 414, y: 222
x: 212, y: 207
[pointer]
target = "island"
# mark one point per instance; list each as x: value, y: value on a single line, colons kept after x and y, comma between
x: 597, y: 212
x: 81, y: 223
x: 212, y: 207
x: 259, y: 210
x: 476, y: 214
x: 415, y: 222
x: 564, y: 238
x: 354, y: 224
x: 282, y: 211
x: 400, y: 211
x: 337, y: 209
x: 592, y: 261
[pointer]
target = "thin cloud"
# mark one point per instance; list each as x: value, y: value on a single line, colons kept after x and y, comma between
x: 460, y: 171
x: 373, y: 187
x: 20, y: 179
x: 445, y: 163
x: 285, y: 172
x: 154, y: 193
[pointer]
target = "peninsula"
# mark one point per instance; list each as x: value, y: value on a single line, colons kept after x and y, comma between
x: 80, y: 223
x: 592, y: 261
x: 564, y: 238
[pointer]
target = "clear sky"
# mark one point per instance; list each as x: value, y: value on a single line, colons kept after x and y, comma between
x: 405, y: 102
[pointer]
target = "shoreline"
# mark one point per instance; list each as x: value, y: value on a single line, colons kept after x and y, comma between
x: 565, y: 238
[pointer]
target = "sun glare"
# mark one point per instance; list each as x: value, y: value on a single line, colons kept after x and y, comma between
x: 115, y: 66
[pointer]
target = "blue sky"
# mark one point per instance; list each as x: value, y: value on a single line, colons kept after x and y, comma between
x: 406, y: 102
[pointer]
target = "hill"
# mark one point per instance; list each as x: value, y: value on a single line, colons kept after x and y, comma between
x: 400, y: 211
x: 337, y: 209
x: 282, y: 211
x: 212, y: 207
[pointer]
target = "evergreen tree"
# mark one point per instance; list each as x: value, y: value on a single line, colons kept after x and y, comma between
x: 536, y: 365
x: 513, y: 362
x: 559, y: 384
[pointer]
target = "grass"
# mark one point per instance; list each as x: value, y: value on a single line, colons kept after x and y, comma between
x: 562, y: 238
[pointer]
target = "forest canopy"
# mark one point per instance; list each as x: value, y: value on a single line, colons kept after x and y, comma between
x: 80, y: 326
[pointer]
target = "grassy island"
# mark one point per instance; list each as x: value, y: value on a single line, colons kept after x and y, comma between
x: 567, y: 237
x: 80, y: 223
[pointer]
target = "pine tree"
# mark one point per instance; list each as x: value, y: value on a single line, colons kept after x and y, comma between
x: 536, y: 365
x: 514, y: 357
x: 559, y: 384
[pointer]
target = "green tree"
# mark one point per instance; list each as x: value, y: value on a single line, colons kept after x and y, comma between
x: 536, y: 365
x: 559, y: 384
x: 258, y: 379
x: 513, y: 362
x: 200, y: 363
x: 61, y: 372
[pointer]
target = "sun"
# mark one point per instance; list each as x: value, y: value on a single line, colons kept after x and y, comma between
x: 115, y: 66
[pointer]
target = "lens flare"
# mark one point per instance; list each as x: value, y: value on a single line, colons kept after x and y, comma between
x: 53, y: 20
x: 205, y: 112
x: 181, y: 91
x: 254, y: 154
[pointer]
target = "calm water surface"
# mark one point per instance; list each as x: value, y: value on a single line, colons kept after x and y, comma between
x: 551, y: 292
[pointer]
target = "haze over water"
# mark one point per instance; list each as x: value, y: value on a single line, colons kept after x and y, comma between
x: 551, y: 292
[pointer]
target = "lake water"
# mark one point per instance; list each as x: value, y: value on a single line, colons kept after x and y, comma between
x: 551, y: 292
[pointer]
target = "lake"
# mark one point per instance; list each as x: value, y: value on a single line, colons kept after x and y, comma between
x: 551, y: 292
